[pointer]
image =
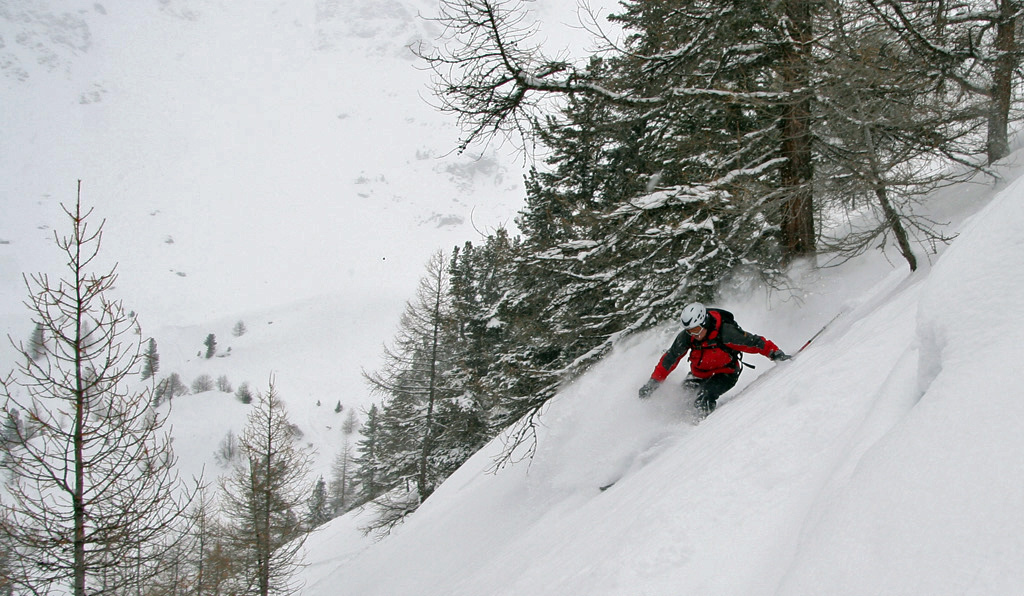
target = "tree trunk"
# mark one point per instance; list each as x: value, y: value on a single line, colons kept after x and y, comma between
x: 1002, y: 82
x: 892, y: 218
x: 422, y: 485
x: 894, y: 223
x: 78, y: 499
x: 798, y: 235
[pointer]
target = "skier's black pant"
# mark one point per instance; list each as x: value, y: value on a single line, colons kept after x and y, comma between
x: 707, y: 391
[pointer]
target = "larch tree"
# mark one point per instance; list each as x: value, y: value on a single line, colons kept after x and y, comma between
x: 414, y: 384
x: 264, y: 501
x: 971, y: 45
x: 93, y: 499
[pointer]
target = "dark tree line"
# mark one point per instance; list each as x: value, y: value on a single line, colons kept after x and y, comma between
x: 711, y: 144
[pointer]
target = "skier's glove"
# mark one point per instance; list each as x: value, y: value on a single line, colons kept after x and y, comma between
x: 779, y: 356
x: 649, y: 387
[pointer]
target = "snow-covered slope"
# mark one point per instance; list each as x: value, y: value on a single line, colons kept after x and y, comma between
x: 244, y: 154
x: 886, y: 459
x: 270, y: 161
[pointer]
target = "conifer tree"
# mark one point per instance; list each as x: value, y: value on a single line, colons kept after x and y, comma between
x: 150, y: 360
x: 415, y: 382
x: 343, y: 470
x: 37, y: 343
x: 342, y: 480
x: 484, y: 281
x: 319, y: 512
x: 369, y: 466
x: 412, y: 379
x: 211, y: 345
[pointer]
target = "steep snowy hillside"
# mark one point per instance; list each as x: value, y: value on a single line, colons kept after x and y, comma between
x: 244, y: 154
x: 270, y: 161
x: 885, y: 459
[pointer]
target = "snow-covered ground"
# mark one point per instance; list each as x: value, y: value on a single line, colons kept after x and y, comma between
x: 886, y: 459
x: 272, y: 162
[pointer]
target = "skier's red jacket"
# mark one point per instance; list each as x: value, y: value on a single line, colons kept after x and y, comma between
x: 717, y: 353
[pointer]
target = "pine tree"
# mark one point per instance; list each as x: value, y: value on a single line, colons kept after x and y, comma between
x: 244, y: 393
x: 369, y: 466
x: 37, y: 343
x: 211, y: 345
x: 319, y: 512
x: 483, y: 281
x: 97, y: 451
x: 150, y: 360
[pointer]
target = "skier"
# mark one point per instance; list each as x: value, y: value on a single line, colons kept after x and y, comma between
x: 716, y: 345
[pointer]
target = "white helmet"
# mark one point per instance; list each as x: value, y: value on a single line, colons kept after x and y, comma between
x: 693, y: 315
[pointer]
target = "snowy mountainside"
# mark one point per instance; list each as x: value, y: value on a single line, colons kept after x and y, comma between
x: 885, y: 459
x: 302, y: 347
x: 240, y: 159
x: 273, y: 162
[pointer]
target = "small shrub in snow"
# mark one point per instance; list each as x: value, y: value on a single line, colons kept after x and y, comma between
x: 244, y: 394
x: 227, y: 451
x: 202, y: 383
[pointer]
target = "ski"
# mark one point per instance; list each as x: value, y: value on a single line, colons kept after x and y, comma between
x: 644, y: 456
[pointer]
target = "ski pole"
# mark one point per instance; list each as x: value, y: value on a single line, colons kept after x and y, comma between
x: 820, y: 331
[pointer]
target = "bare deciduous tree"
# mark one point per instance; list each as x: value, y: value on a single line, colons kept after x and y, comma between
x: 264, y: 499
x: 93, y: 492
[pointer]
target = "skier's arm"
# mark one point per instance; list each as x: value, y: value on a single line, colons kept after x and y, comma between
x: 737, y: 339
x: 667, y: 364
x: 672, y: 357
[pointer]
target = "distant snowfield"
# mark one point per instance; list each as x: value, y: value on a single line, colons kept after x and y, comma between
x: 246, y: 157
x: 243, y: 155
